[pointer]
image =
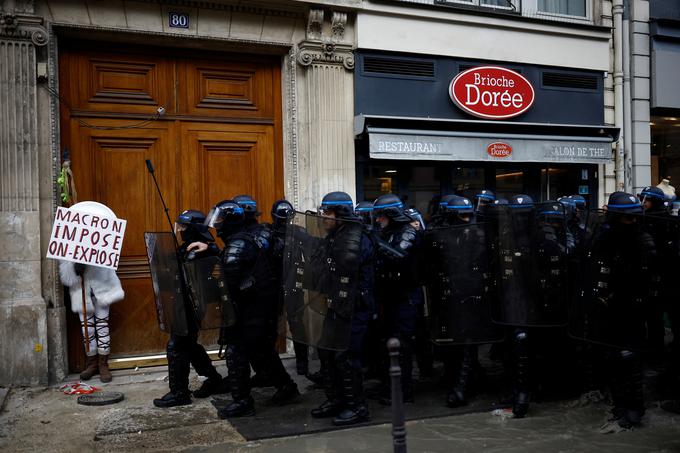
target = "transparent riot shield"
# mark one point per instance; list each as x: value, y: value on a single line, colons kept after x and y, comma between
x: 205, y: 278
x: 320, y: 280
x: 531, y: 263
x: 167, y: 286
x: 461, y: 285
x: 618, y: 281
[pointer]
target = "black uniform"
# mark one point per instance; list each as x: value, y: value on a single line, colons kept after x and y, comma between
x: 395, y: 282
x: 183, y: 351
x: 252, y: 286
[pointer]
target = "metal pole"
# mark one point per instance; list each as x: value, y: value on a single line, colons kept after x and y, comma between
x: 398, y: 427
x: 86, y: 332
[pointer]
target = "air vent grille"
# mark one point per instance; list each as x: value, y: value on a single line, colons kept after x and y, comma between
x: 573, y: 81
x: 399, y: 67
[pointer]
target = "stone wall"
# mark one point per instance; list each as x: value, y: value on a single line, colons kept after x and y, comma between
x: 23, y: 323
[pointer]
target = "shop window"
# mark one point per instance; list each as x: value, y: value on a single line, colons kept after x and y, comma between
x: 665, y: 149
x: 509, y: 182
x: 467, y: 181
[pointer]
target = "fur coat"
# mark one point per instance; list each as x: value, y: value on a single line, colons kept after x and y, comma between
x: 100, y: 282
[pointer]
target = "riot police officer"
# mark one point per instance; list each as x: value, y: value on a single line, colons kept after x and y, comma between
x: 665, y: 230
x: 441, y: 215
x: 483, y: 199
x: 466, y: 298
x: 252, y: 285
x: 618, y: 283
x: 281, y: 212
x: 346, y: 245
x: 395, y: 282
x: 183, y: 351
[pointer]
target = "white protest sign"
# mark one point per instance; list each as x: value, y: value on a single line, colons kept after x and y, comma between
x: 86, y: 238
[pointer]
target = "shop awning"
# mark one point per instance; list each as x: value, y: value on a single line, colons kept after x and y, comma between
x: 469, y: 140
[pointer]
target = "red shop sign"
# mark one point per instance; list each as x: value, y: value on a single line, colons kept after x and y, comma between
x: 492, y: 92
x: 499, y: 149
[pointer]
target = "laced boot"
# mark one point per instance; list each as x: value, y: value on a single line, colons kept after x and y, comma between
x: 104, y: 372
x: 91, y: 367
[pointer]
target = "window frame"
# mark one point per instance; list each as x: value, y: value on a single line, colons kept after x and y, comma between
x: 532, y: 5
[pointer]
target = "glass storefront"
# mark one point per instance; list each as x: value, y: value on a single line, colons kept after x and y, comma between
x: 420, y: 183
x: 665, y: 149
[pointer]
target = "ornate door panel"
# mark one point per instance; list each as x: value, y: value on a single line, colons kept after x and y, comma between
x: 220, y: 136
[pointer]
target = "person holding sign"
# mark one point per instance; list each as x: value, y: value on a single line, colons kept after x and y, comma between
x: 75, y: 241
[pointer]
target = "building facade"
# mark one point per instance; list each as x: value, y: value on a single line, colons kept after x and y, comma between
x: 286, y: 99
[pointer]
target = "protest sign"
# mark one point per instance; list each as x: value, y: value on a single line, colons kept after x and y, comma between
x: 86, y: 238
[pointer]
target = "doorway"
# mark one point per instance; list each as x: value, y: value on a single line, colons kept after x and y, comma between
x: 219, y: 135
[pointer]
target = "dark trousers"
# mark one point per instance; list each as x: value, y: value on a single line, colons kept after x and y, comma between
x: 183, y: 351
x: 253, y: 343
x: 342, y: 370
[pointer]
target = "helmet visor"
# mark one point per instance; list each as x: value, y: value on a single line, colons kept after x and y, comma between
x: 179, y: 227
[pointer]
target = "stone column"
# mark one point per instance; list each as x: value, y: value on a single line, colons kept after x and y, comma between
x: 23, y: 336
x: 325, y: 106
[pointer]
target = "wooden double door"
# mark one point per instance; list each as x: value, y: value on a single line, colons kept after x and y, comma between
x: 220, y: 135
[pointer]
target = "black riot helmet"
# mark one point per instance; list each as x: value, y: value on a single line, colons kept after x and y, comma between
x: 460, y: 208
x: 282, y: 210
x: 553, y: 212
x: 391, y: 207
x: 484, y: 198
x: 444, y: 202
x: 569, y: 206
x: 340, y: 203
x: 623, y: 203
x: 521, y: 202
x: 579, y: 202
x: 248, y: 204
x: 364, y: 209
x: 415, y: 216
x: 190, y: 225
x: 225, y: 217
x: 656, y: 198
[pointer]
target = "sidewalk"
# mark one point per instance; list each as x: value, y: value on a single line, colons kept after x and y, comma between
x: 46, y: 420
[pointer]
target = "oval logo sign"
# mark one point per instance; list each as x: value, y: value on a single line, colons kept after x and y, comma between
x: 499, y: 149
x: 492, y: 92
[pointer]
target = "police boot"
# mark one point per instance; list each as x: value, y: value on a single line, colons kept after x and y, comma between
x: 333, y: 405
x: 91, y: 367
x: 457, y: 396
x: 286, y: 394
x: 632, y: 390
x: 214, y: 384
x: 520, y: 405
x: 355, y: 406
x: 178, y: 377
x: 239, y: 374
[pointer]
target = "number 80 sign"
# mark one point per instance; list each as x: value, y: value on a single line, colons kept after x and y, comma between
x: 178, y: 20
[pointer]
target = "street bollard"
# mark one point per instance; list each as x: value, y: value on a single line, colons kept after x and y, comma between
x: 398, y: 427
